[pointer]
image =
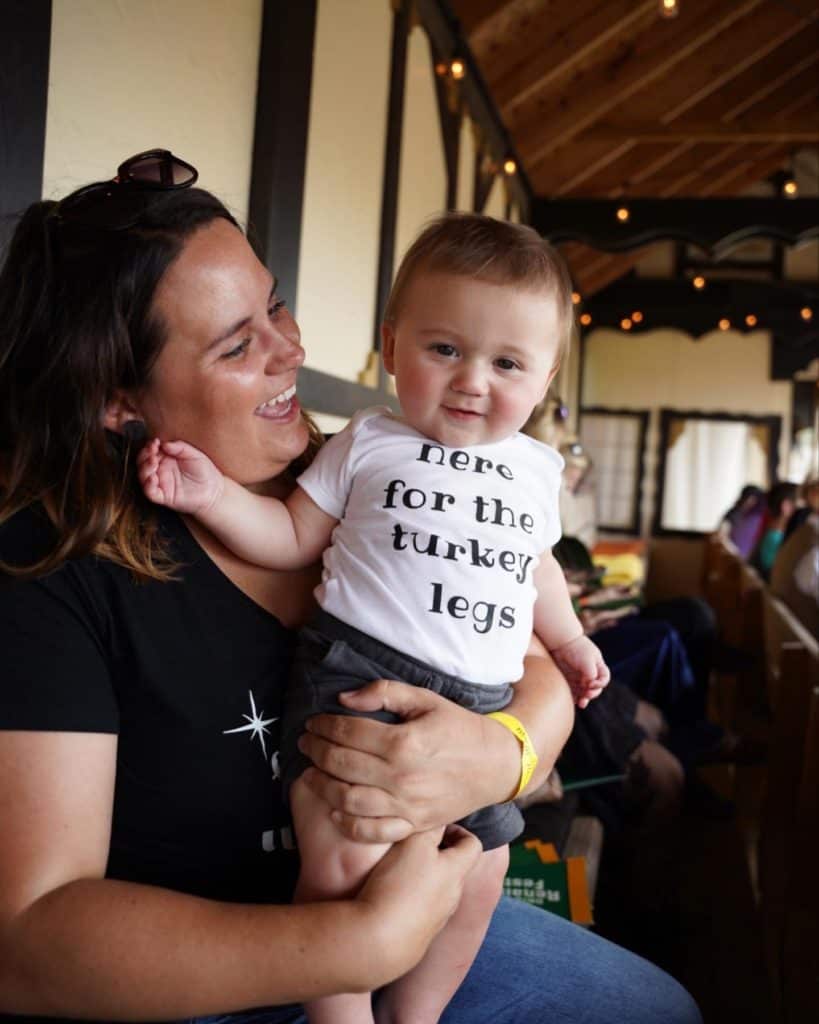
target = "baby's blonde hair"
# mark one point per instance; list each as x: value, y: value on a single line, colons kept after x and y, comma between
x: 497, y: 251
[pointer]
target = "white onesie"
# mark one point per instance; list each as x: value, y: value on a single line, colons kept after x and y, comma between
x: 436, y: 546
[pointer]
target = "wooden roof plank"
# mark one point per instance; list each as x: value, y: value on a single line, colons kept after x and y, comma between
x: 722, y: 59
x: 582, y: 103
x: 477, y: 15
x: 794, y: 63
x: 551, y: 51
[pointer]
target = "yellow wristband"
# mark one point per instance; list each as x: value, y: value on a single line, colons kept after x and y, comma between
x: 528, y: 757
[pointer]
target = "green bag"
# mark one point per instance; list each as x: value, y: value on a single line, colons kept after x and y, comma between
x: 537, y: 875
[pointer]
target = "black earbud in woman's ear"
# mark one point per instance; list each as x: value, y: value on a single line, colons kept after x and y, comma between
x: 134, y: 431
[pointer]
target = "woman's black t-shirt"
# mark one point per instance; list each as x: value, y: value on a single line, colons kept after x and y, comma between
x: 190, y: 675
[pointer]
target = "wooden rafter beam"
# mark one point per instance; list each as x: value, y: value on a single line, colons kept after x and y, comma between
x: 799, y: 131
x: 592, y: 269
x: 581, y: 104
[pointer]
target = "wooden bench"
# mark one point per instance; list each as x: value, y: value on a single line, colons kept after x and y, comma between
x: 789, y: 832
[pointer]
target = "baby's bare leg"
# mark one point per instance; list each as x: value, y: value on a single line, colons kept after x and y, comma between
x: 421, y: 996
x: 332, y: 866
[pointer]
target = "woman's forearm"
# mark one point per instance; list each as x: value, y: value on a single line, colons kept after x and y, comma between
x: 115, y: 950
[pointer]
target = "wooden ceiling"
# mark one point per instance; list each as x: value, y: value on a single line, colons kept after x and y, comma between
x: 607, y: 98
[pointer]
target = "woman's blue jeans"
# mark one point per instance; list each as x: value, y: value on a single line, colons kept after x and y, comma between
x: 537, y: 968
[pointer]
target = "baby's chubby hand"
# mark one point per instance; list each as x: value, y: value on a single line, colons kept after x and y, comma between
x: 176, y: 474
x: 582, y: 664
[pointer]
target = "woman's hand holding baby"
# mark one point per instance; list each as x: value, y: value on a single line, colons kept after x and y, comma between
x: 176, y: 474
x: 582, y: 664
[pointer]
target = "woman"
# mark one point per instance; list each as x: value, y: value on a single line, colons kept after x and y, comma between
x: 146, y: 860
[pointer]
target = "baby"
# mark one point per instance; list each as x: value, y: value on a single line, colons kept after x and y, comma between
x: 436, y: 527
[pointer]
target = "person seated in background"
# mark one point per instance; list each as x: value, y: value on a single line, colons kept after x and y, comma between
x: 809, y: 493
x: 665, y: 653
x: 743, y: 523
x: 781, y: 501
x: 795, y: 573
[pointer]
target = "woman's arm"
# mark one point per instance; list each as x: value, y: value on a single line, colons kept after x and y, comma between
x: 76, y: 944
x: 440, y: 764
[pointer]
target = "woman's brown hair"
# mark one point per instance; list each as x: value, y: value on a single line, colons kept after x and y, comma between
x: 76, y: 325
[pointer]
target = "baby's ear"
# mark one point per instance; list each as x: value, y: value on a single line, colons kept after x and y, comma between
x: 388, y: 347
x: 119, y: 411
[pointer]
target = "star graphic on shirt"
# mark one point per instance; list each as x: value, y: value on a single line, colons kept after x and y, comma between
x: 256, y: 724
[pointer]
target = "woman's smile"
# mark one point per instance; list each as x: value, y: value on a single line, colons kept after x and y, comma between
x: 281, y: 407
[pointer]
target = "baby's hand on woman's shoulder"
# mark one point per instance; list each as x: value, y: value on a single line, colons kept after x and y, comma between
x: 582, y: 664
x: 176, y: 474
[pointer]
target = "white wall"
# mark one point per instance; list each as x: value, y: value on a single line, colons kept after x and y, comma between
x: 137, y: 74
x: 342, y: 197
x: 422, y: 178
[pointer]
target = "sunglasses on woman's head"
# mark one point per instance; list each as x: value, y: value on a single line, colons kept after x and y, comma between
x: 117, y: 204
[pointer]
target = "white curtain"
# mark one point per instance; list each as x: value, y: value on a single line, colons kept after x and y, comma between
x: 706, y: 467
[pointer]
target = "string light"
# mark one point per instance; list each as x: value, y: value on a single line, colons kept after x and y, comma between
x: 699, y: 282
x: 790, y: 188
x: 441, y: 69
x: 637, y: 317
x: 750, y: 320
x: 576, y: 298
x: 623, y: 214
x: 625, y: 324
x: 669, y: 8
x: 509, y: 166
x: 724, y: 324
x: 585, y: 319
x: 806, y: 313
x: 457, y: 68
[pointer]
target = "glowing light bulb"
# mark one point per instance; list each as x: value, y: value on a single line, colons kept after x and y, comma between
x: 637, y: 317
x: 790, y: 188
x: 750, y: 320
x: 625, y: 324
x: 724, y: 324
x: 623, y: 214
x: 576, y: 298
x: 699, y: 282
x: 510, y: 166
x: 806, y: 313
x: 585, y: 319
x: 457, y: 68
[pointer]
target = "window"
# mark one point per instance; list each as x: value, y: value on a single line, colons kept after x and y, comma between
x: 615, y: 441
x: 705, y: 459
